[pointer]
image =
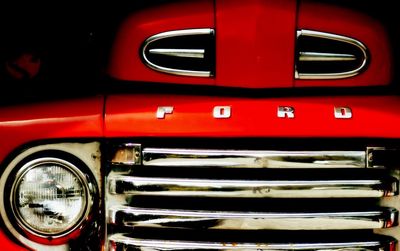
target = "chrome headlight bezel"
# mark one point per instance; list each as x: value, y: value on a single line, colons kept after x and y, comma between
x: 68, y: 166
x: 75, y: 165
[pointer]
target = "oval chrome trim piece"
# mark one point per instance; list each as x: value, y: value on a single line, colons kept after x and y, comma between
x: 227, y: 220
x: 318, y: 34
x: 176, y: 33
x: 253, y: 159
x: 87, y: 184
x: 252, y: 188
x: 387, y: 244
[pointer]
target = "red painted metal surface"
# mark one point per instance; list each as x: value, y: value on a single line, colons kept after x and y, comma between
x: 135, y: 116
x: 7, y: 244
x: 255, y: 48
x: 125, y: 61
x: 342, y: 21
x: 255, y: 43
x: 19, y: 125
x: 80, y: 118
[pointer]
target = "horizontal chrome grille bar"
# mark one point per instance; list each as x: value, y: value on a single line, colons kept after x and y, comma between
x: 254, y: 159
x: 131, y: 185
x: 368, y: 219
x: 149, y: 244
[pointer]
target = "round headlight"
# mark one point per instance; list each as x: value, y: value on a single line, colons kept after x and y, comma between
x: 50, y: 197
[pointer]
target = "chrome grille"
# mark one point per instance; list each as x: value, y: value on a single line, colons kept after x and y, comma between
x: 197, y: 199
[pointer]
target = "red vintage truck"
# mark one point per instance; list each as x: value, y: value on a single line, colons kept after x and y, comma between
x: 224, y: 125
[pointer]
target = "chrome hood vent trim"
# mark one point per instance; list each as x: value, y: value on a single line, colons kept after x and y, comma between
x: 181, y: 52
x: 321, y: 55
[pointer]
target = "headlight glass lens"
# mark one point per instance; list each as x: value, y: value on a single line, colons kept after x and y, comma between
x: 49, y: 197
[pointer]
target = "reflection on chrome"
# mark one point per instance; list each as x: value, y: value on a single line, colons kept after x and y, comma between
x: 130, y: 185
x: 185, y: 53
x: 319, y: 57
x: 161, y: 199
x: 180, y: 53
x: 228, y: 220
x: 386, y: 244
x: 253, y: 159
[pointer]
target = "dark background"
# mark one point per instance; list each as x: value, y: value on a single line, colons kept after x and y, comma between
x: 73, y: 40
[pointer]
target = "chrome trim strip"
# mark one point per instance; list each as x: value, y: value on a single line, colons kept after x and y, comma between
x: 319, y: 56
x: 253, y: 159
x: 148, y: 244
x: 340, y: 38
x: 176, y: 33
x: 373, y: 219
x: 252, y: 188
x: 185, y: 53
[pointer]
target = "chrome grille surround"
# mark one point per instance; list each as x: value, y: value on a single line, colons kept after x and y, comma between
x: 173, y: 189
